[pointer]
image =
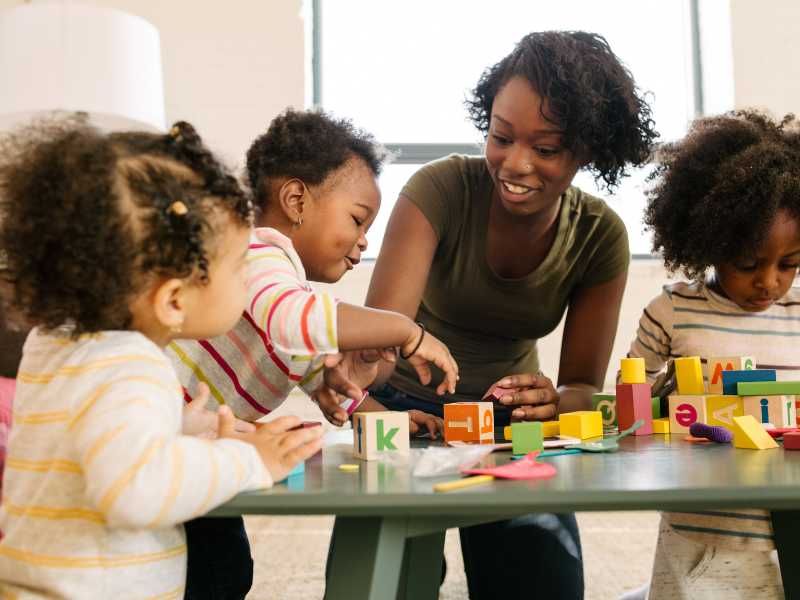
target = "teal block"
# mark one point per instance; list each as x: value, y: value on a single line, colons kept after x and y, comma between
x: 526, y: 437
x: 768, y: 388
x: 298, y: 470
x: 606, y: 404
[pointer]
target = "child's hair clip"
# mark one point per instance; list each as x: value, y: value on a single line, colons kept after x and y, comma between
x: 178, y: 208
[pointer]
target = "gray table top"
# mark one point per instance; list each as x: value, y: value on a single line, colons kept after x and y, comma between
x: 647, y: 473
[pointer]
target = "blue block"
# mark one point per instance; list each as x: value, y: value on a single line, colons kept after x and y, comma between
x: 298, y: 470
x: 730, y: 379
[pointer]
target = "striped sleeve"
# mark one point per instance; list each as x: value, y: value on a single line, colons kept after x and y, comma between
x: 139, y: 471
x: 297, y: 319
x: 653, y: 340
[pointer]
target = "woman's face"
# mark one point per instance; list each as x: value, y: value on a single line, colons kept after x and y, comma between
x: 525, y: 153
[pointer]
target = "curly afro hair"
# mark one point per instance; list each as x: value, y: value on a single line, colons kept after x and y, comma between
x: 310, y: 146
x: 589, y: 93
x: 86, y: 217
x: 717, y: 191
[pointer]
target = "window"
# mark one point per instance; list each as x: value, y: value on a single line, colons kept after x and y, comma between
x: 403, y: 69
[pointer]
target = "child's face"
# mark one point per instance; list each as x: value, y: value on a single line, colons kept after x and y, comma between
x: 756, y: 283
x: 335, y: 222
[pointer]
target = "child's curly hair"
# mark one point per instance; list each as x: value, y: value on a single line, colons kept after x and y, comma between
x: 589, y: 92
x: 309, y: 145
x: 717, y: 191
x: 85, y: 217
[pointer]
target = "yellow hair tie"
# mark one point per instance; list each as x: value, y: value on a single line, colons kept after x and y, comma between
x: 178, y: 208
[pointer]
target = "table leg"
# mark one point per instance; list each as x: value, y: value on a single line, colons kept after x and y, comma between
x: 786, y: 525
x: 422, y: 567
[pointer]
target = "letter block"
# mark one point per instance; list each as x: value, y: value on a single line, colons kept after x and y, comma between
x: 780, y: 411
x: 606, y: 404
x: 634, y: 402
x: 685, y: 410
x: 661, y: 425
x: 526, y: 437
x: 469, y: 422
x: 749, y: 433
x: 375, y: 432
x: 689, y: 373
x: 632, y: 370
x: 717, y: 364
x: 581, y: 424
x: 720, y: 410
x: 731, y: 379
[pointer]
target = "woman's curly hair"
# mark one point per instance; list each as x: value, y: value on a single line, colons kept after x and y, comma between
x: 85, y: 217
x: 589, y: 93
x: 310, y: 146
x: 717, y: 191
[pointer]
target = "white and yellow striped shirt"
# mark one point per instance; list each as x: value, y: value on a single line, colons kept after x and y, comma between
x: 98, y: 476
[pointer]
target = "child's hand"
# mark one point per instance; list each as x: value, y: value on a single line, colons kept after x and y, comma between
x: 431, y: 350
x: 280, y: 446
x: 204, y: 423
x: 418, y: 419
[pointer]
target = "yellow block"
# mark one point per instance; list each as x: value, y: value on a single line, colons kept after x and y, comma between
x: 689, y: 372
x: 582, y: 424
x: 633, y: 370
x: 551, y: 428
x: 507, y: 432
x: 720, y: 410
x: 748, y: 433
x: 661, y: 425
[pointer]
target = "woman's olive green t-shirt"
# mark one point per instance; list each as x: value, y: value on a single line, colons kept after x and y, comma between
x: 491, y: 323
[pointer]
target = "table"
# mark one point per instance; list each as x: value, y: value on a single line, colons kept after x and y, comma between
x: 389, y: 524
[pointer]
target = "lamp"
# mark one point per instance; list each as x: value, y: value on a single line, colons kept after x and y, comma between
x: 61, y: 55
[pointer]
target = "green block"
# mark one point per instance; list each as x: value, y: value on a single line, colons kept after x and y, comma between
x: 606, y: 404
x: 656, y: 407
x: 526, y: 437
x: 768, y: 388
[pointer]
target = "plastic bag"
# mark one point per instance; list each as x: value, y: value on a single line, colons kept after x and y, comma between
x: 437, y: 460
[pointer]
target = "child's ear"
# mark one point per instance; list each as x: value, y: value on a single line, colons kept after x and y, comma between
x: 169, y: 303
x: 291, y: 199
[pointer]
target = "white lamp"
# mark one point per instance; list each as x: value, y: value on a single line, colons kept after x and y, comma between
x: 65, y: 56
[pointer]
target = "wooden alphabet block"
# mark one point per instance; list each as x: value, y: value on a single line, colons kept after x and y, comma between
x: 634, y: 402
x: 656, y: 407
x: 720, y: 410
x: 581, y: 424
x: 791, y: 441
x: 780, y: 411
x: 375, y: 432
x: 717, y: 364
x: 551, y: 429
x: 661, y: 425
x: 632, y: 370
x: 606, y: 404
x: 469, y: 422
x: 797, y: 410
x: 749, y: 433
x: 689, y: 373
x: 731, y: 379
x: 526, y: 437
x: 685, y: 410
x: 768, y: 388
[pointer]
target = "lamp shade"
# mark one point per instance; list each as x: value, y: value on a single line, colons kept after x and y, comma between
x: 67, y: 56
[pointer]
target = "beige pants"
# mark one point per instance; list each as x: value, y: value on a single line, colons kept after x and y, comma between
x: 687, y: 570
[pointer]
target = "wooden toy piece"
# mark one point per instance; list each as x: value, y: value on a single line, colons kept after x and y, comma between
x: 606, y: 404
x: 779, y: 432
x: 791, y: 441
x: 526, y: 437
x: 768, y: 388
x: 551, y: 429
x: 685, y: 410
x: 661, y: 425
x: 731, y: 379
x: 507, y: 433
x: 656, y: 400
x: 581, y: 424
x: 632, y: 370
x: 717, y: 364
x: 780, y: 411
x: 749, y: 433
x: 797, y: 410
x: 634, y: 402
x: 469, y: 422
x: 375, y: 432
x: 689, y: 373
x: 720, y: 410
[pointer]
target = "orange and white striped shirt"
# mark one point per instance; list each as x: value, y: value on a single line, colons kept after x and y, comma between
x: 279, y: 342
x: 99, y: 478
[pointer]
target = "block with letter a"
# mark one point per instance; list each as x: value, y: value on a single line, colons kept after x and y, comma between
x: 469, y: 422
x: 717, y: 364
x: 685, y: 410
x: 721, y: 409
x: 780, y: 411
x: 375, y: 432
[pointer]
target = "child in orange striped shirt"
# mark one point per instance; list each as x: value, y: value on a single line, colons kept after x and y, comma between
x: 116, y: 245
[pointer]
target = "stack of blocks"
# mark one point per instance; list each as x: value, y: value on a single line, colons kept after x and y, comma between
x: 634, y: 400
x: 471, y: 422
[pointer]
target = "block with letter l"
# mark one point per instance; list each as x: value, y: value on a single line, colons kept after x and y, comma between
x: 376, y: 432
x: 469, y: 422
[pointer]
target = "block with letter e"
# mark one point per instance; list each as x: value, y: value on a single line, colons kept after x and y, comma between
x: 375, y: 432
x: 717, y: 364
x: 685, y: 410
x: 469, y: 422
x: 634, y: 403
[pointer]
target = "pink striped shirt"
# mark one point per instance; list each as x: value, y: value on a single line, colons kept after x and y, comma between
x: 279, y: 342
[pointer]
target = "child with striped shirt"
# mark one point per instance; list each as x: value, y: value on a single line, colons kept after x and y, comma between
x: 116, y: 244
x: 726, y: 211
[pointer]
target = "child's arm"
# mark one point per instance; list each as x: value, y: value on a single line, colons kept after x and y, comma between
x: 416, y: 418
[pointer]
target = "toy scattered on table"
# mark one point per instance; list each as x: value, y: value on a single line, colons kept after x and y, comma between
x: 582, y: 424
x: 791, y: 440
x: 525, y: 468
x: 376, y: 432
x: 526, y: 437
x: 749, y: 433
x: 469, y: 422
x: 609, y: 444
x: 721, y: 435
x: 696, y: 440
x: 550, y: 429
x: 717, y: 364
x: 779, y: 432
x: 351, y: 468
x: 449, y: 486
x: 661, y: 425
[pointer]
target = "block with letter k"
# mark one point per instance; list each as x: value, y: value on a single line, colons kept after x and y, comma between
x: 376, y: 432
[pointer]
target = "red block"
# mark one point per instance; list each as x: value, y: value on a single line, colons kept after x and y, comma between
x: 634, y: 403
x: 791, y: 441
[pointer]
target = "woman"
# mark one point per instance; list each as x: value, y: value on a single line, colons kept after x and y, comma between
x: 487, y: 253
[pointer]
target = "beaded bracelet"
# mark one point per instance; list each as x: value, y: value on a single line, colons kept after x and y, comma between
x: 419, y: 343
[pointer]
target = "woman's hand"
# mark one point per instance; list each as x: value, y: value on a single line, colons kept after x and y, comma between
x: 531, y: 397
x: 423, y: 349
x: 418, y: 419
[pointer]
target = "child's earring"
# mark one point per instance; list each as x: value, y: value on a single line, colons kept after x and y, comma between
x: 297, y: 223
x: 175, y: 329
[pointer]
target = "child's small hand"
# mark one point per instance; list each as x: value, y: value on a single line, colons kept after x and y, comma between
x: 418, y: 420
x: 431, y: 350
x: 280, y: 446
x: 204, y: 423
